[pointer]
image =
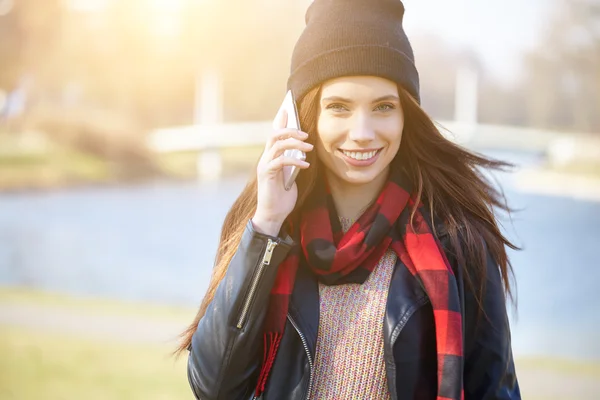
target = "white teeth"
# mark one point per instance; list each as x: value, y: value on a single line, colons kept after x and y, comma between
x: 360, y: 155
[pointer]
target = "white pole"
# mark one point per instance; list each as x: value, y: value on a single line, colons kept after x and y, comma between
x: 466, y: 98
x: 466, y: 95
x: 208, y: 107
x: 208, y: 110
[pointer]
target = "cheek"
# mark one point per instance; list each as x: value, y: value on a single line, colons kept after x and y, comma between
x: 330, y: 131
x: 393, y: 129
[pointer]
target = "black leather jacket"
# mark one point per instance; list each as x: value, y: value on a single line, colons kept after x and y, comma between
x: 226, y: 350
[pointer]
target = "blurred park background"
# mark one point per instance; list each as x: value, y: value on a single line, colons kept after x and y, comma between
x: 127, y: 128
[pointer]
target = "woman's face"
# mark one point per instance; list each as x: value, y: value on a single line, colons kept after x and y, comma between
x: 359, y: 127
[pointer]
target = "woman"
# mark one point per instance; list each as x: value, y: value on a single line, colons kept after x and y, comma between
x: 382, y: 273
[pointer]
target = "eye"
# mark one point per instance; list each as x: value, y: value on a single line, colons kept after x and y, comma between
x: 385, y: 107
x: 337, y: 107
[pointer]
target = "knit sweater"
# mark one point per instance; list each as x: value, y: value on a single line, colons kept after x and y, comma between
x: 349, y: 360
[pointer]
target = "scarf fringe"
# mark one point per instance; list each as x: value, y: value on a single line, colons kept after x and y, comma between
x: 271, y: 344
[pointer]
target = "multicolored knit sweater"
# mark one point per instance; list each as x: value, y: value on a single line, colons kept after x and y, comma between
x: 349, y: 362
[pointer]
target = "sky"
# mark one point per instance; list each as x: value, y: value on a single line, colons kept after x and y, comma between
x: 500, y: 31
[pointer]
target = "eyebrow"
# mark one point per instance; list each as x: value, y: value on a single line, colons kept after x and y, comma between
x: 389, y: 97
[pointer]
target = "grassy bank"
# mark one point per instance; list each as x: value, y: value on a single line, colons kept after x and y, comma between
x: 40, y: 361
x: 235, y: 160
x: 95, y: 306
x: 580, y: 169
x: 56, y: 169
x: 38, y: 365
x: 71, y: 168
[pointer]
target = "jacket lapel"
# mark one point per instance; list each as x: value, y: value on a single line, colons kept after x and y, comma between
x: 405, y: 293
x: 304, y: 306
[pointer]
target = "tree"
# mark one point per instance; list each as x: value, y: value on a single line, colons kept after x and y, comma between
x: 29, y: 33
x: 563, y: 75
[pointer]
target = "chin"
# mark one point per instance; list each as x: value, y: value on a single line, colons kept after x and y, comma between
x: 359, y: 177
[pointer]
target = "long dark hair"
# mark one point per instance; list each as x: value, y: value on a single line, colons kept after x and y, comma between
x: 447, y: 178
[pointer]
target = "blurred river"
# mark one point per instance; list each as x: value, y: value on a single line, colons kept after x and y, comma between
x: 156, y: 243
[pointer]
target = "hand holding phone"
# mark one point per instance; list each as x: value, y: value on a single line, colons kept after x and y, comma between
x: 283, y: 158
x: 290, y: 172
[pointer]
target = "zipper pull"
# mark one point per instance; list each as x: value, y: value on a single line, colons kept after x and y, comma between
x: 269, y: 252
x: 266, y: 260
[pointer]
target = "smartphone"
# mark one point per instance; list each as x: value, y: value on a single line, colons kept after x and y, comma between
x: 291, y: 172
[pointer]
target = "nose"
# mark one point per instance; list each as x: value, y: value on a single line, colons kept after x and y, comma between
x: 361, y: 130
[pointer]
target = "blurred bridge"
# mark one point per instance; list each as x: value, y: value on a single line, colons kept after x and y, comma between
x: 209, y: 140
x: 212, y: 137
x: 209, y: 135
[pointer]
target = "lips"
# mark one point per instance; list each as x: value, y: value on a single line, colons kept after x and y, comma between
x: 362, y: 158
x: 360, y: 155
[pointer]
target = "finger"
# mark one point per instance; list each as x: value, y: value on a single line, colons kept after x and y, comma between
x: 277, y: 164
x: 288, y: 144
x: 286, y: 133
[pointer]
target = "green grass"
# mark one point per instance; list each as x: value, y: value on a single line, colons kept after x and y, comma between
x: 178, y: 164
x: 54, y: 169
x: 564, y: 366
x: 583, y: 169
x: 68, y: 167
x: 184, y: 164
x: 23, y: 160
x: 96, y: 306
x: 39, y: 364
x: 36, y: 365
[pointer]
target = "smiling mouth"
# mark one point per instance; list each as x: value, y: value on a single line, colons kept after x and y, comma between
x: 361, y: 155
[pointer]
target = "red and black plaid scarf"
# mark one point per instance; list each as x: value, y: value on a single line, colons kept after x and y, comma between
x: 337, y: 258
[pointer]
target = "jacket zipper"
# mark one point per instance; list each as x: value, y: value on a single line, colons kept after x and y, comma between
x: 310, y: 363
x: 266, y: 260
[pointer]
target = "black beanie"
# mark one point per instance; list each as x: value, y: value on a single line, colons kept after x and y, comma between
x: 353, y: 37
